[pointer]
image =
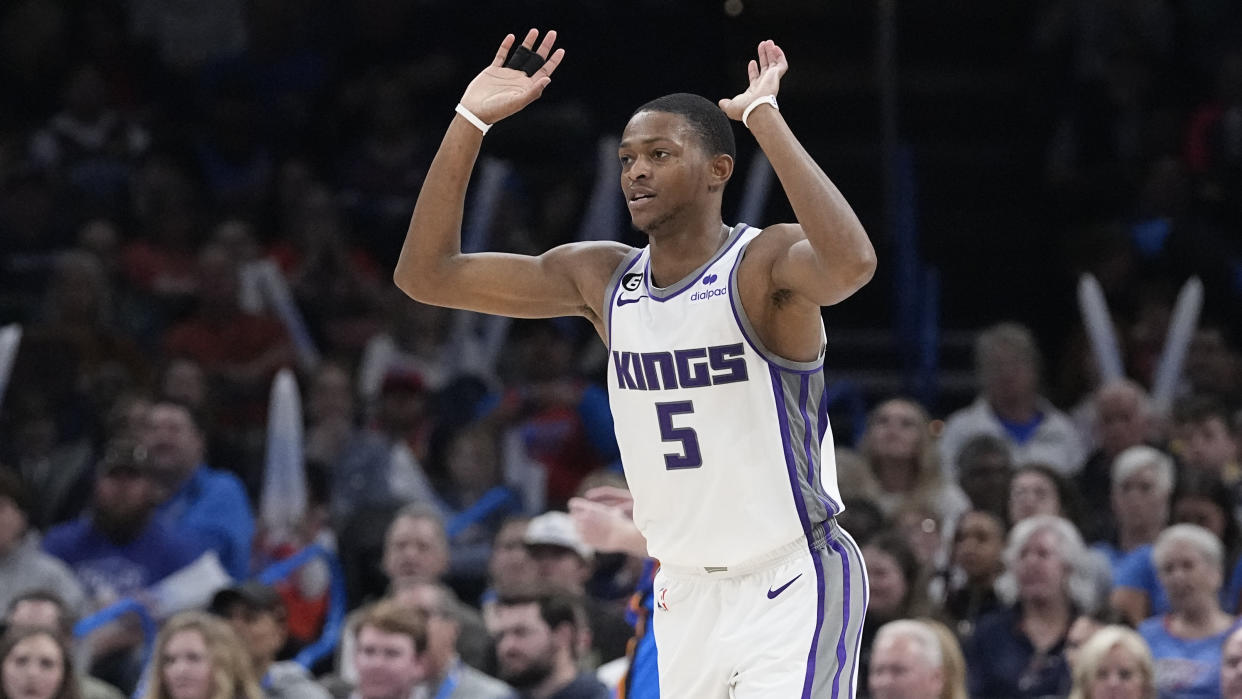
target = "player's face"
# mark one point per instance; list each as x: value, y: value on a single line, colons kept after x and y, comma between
x: 1118, y: 676
x: 899, y: 671
x: 664, y: 170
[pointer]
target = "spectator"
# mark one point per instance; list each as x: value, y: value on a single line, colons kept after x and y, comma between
x: 1009, y: 406
x: 208, y: 503
x: 1121, y: 419
x: 1037, y: 489
x: 978, y: 542
x: 510, y: 566
x: 415, y: 547
x: 898, y: 447
x: 1018, y: 651
x: 42, y: 609
x: 1206, y: 442
x: 258, y: 617
x: 23, y: 567
x: 392, y: 642
x: 1142, y: 481
x: 536, y: 640
x: 197, y: 655
x: 566, y: 562
x: 896, y: 590
x: 1186, y: 642
x: 118, y: 548
x: 1114, y: 663
x: 35, y: 663
x: 952, y: 661
x: 907, y: 662
x: 448, y: 676
x: 1200, y: 499
x: 1231, y: 666
x: 985, y: 467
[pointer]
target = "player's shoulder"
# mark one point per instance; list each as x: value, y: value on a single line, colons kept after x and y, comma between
x: 593, y: 258
x: 777, y: 236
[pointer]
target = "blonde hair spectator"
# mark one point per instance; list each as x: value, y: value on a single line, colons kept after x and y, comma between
x: 206, y: 649
x: 1115, y: 658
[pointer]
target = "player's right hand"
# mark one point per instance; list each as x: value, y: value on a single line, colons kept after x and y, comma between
x: 498, y: 92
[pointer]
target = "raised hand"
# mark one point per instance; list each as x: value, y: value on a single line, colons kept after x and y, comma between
x: 498, y: 92
x: 765, y: 79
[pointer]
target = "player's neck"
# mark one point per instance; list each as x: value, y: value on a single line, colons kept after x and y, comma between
x: 675, y: 254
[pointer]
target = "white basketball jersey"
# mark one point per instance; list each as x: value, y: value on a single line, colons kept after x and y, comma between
x: 726, y: 446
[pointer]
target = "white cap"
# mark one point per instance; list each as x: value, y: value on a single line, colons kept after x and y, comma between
x: 557, y: 529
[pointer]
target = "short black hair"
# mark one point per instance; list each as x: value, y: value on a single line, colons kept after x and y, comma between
x: 556, y: 607
x: 705, y: 119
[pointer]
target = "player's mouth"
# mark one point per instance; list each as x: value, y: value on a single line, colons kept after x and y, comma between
x: 640, y: 197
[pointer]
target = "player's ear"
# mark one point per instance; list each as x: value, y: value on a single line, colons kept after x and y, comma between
x: 721, y: 171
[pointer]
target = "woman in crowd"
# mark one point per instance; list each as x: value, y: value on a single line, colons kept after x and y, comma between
x: 36, y: 664
x: 1200, y: 499
x: 897, y: 590
x: 978, y: 542
x: 897, y: 446
x: 1142, y: 479
x: 1037, y: 489
x: 1114, y: 664
x: 1018, y: 651
x: 198, y: 656
x: 1186, y: 642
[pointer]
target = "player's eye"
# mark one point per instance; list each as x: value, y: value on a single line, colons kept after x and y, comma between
x: 660, y: 154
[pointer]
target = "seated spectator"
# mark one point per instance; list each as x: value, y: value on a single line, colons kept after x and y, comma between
x: 36, y: 664
x: 510, y: 566
x: 978, y: 542
x: 901, y: 456
x: 566, y: 562
x: 1186, y: 642
x: 197, y: 655
x: 392, y: 643
x: 1114, y: 662
x: 1199, y: 499
x: 536, y: 647
x: 1009, y: 406
x: 985, y: 467
x: 258, y: 617
x: 23, y: 566
x: 118, y: 548
x: 1121, y: 418
x: 208, y: 503
x: 42, y: 609
x: 1142, y: 480
x: 1036, y: 489
x: 447, y: 672
x: 1231, y: 666
x: 1018, y: 651
x: 907, y: 662
x: 1205, y: 442
x: 416, y: 547
x: 896, y: 590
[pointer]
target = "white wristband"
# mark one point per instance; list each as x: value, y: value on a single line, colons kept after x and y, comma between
x: 470, y: 117
x: 766, y: 99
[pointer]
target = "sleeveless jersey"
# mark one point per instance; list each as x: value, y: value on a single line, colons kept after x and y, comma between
x: 726, y: 447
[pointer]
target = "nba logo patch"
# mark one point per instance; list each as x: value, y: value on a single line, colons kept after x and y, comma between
x: 661, y: 602
x: 631, y: 281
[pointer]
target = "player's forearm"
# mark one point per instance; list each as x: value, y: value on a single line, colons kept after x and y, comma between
x: 434, y: 236
x: 830, y: 224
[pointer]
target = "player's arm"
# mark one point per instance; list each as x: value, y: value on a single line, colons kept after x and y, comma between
x: 432, y: 267
x: 831, y: 256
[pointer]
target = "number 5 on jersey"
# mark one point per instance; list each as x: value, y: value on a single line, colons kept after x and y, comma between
x: 690, y: 456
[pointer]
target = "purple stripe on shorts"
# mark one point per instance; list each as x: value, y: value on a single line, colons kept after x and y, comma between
x: 809, y: 683
x: 845, y: 612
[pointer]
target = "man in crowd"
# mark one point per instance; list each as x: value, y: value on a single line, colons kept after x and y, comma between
x: 906, y: 662
x: 536, y: 639
x: 257, y: 613
x: 448, y: 676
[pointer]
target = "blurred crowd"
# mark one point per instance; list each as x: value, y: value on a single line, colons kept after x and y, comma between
x: 195, y: 196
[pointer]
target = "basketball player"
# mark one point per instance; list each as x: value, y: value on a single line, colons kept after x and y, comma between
x: 716, y: 383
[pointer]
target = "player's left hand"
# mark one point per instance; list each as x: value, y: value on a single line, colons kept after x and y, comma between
x: 765, y: 79
x: 599, y: 525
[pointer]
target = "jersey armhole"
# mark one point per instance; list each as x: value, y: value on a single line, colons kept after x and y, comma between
x: 752, y: 336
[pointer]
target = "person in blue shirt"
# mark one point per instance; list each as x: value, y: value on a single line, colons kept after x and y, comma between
x: 209, y: 503
x: 118, y: 548
x: 1186, y: 642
